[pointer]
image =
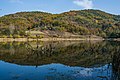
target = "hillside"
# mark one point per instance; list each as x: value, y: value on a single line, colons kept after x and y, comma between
x: 82, y: 22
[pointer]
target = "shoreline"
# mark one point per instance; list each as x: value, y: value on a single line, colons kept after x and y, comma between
x: 53, y: 39
x: 46, y: 39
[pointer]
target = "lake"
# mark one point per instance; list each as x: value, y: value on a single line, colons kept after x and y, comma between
x: 60, y: 60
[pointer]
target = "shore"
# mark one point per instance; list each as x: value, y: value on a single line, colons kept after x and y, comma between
x: 46, y: 39
x: 52, y: 39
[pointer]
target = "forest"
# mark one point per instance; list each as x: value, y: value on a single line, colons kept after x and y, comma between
x: 77, y: 22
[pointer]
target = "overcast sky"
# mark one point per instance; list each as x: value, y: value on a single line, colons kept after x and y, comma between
x: 58, y: 6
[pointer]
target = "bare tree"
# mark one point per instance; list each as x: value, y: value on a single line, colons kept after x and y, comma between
x: 12, y: 29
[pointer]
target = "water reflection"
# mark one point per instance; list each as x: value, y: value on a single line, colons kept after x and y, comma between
x: 72, y: 60
x: 116, y: 65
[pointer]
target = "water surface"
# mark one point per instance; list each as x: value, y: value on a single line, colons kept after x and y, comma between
x: 68, y: 60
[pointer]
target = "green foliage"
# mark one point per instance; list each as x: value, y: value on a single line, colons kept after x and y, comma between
x: 84, y: 22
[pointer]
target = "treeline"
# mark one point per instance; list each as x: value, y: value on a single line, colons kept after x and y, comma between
x: 83, y: 22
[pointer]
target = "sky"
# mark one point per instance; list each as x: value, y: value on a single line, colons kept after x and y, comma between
x: 58, y: 6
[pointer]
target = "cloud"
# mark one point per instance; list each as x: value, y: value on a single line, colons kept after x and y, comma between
x: 16, y: 1
x: 86, y: 4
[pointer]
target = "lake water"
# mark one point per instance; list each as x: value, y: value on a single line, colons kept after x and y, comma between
x: 68, y: 60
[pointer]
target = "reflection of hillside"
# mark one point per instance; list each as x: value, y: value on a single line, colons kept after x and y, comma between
x: 85, y: 54
x: 116, y: 65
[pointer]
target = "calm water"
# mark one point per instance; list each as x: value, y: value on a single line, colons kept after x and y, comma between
x: 83, y: 60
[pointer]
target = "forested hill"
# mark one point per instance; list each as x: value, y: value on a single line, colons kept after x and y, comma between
x: 82, y: 22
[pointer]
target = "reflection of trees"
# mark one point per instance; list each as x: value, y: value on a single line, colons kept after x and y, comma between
x: 116, y: 65
x: 39, y: 52
x: 12, y: 49
x: 84, y: 54
x: 70, y: 53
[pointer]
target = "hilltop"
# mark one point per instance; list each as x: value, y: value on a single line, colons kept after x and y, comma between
x: 81, y: 22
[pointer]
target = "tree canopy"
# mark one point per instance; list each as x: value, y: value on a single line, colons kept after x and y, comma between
x: 81, y: 22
